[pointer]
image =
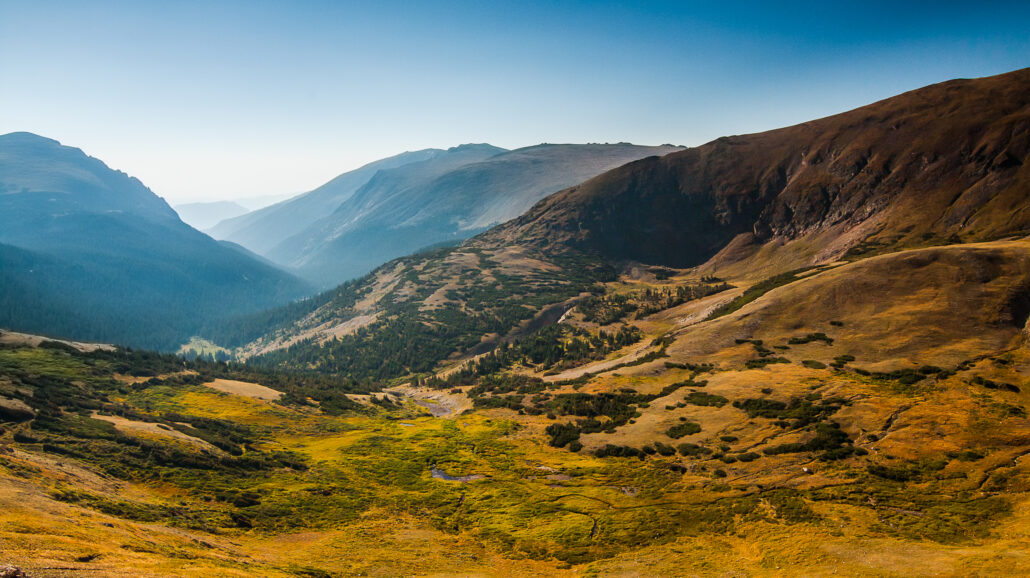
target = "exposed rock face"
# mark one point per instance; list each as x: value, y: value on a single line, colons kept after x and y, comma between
x: 15, y: 410
x: 8, y: 571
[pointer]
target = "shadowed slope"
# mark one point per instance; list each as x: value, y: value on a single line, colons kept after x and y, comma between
x: 91, y: 253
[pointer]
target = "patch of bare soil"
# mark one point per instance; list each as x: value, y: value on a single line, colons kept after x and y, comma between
x: 15, y: 338
x: 246, y: 389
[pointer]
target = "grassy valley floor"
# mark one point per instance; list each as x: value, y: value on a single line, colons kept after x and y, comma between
x: 821, y: 427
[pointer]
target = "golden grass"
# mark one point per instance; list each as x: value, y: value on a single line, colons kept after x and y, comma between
x: 537, y: 506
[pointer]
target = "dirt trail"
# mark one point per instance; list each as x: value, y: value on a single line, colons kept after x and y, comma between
x: 637, y: 351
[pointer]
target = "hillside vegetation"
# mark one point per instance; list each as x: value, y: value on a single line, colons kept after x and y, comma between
x: 868, y: 432
x: 754, y: 356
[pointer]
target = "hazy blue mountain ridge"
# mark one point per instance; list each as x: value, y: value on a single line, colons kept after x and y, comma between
x: 264, y: 228
x: 91, y: 253
x: 442, y: 200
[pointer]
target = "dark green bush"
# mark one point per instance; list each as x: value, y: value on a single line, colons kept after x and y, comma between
x: 683, y: 429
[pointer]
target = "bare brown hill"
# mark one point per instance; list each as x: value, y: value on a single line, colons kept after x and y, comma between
x: 942, y: 161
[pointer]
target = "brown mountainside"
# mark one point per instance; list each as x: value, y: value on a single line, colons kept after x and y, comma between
x: 948, y: 159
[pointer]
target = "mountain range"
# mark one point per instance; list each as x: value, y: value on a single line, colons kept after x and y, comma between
x: 263, y: 229
x: 92, y: 253
x: 402, y: 204
x: 943, y: 164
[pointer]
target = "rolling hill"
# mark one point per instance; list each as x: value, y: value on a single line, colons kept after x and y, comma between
x: 91, y: 253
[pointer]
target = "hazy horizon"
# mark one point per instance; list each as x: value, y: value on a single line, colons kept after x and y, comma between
x: 236, y: 101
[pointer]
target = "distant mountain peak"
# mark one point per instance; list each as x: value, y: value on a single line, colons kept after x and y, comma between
x: 475, y: 146
x: 28, y: 137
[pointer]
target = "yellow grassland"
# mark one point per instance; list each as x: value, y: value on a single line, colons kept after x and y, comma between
x: 368, y: 504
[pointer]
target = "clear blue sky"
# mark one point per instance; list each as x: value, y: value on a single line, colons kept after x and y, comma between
x: 233, y: 99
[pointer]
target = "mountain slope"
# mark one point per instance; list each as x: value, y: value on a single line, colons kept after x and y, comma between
x: 862, y: 383
x: 321, y: 253
x: 936, y: 165
x: 264, y: 228
x: 943, y: 160
x: 91, y: 253
x: 396, y: 214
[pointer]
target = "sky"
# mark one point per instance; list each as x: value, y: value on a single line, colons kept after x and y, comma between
x: 227, y: 100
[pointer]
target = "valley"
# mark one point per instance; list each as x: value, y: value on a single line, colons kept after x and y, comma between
x: 836, y: 444
x: 798, y: 352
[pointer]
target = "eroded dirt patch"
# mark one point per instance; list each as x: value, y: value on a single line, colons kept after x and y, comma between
x: 246, y: 389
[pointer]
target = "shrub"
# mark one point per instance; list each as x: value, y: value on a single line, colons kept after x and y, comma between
x: 995, y: 384
x: 664, y: 450
x: 813, y: 364
x: 693, y: 450
x: 897, y: 474
x: 705, y: 399
x: 810, y: 338
x: 970, y: 455
x: 562, y: 433
x: 610, y: 450
x: 24, y: 438
x: 841, y: 360
x: 760, y: 363
x: 683, y: 429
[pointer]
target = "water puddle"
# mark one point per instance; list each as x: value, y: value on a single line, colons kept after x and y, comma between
x: 442, y: 475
